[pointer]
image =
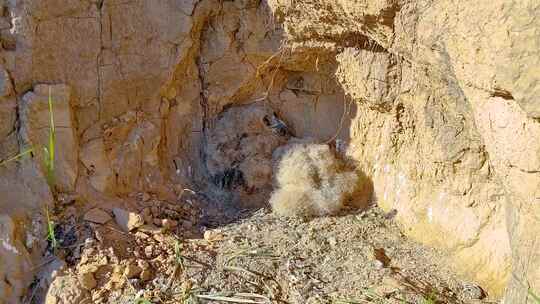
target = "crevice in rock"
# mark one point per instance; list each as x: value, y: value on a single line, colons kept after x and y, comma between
x: 504, y: 94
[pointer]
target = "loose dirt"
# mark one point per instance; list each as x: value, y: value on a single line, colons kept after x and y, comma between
x: 354, y: 257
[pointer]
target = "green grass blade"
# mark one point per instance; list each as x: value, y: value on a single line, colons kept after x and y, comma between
x: 50, y: 155
x: 16, y: 157
x: 50, y: 230
x: 51, y: 111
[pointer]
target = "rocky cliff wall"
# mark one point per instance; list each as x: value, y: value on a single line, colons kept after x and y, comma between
x: 435, y: 100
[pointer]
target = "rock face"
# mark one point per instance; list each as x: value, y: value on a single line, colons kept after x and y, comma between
x: 15, y: 264
x: 442, y: 114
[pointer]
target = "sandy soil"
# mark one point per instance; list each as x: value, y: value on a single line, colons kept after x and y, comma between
x: 355, y: 257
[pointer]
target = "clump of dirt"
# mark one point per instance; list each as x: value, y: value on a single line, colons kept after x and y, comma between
x: 353, y: 257
x: 312, y: 181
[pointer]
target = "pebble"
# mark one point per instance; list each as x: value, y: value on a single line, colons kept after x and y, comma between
x: 159, y: 238
x: 143, y: 264
x: 212, y: 235
x: 127, y: 220
x: 146, y: 275
x: 132, y: 271
x: 146, y: 197
x: 97, y: 216
x: 147, y: 215
x: 472, y: 292
x: 141, y: 235
x: 378, y: 264
x: 118, y: 269
x: 150, y: 229
x: 168, y: 224
x: 149, y: 251
x: 87, y: 280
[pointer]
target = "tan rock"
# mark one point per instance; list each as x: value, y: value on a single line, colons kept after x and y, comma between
x: 146, y: 197
x: 97, y: 216
x: 154, y: 210
x: 146, y: 275
x: 149, y: 251
x: 150, y: 229
x: 67, y: 289
x: 132, y: 271
x: 168, y: 224
x: 213, y: 235
x: 87, y: 280
x: 127, y: 220
x: 147, y: 216
x: 143, y: 264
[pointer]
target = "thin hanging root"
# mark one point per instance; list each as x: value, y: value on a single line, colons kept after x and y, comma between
x: 264, y: 65
x: 268, y: 61
x: 346, y: 111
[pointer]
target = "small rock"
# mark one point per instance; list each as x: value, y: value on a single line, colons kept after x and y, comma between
x: 66, y: 289
x: 118, y: 269
x: 149, y: 251
x: 141, y: 235
x: 472, y: 292
x: 388, y: 285
x: 160, y: 238
x: 168, y: 224
x: 132, y: 271
x: 127, y: 220
x: 102, y: 260
x: 212, y: 235
x: 97, y: 216
x: 91, y: 268
x: 143, y: 264
x: 146, y: 275
x: 157, y: 222
x: 146, y: 197
x: 150, y: 229
x: 378, y: 264
x: 147, y: 215
x: 87, y: 280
